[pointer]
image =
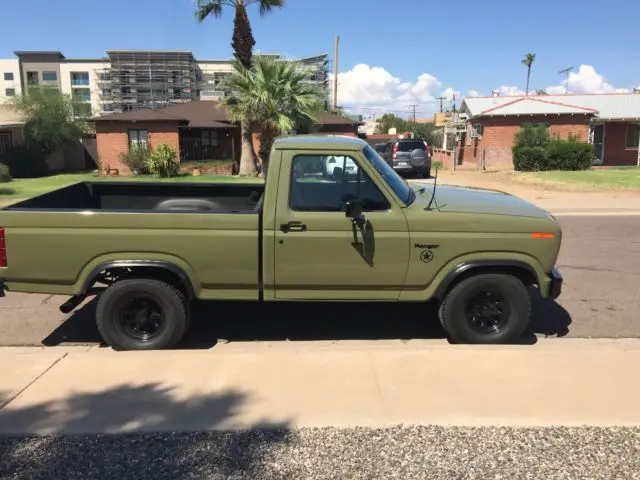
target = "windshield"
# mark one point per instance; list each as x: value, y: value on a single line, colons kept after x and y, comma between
x: 397, y: 184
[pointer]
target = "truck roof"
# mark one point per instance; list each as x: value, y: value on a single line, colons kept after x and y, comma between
x: 320, y: 142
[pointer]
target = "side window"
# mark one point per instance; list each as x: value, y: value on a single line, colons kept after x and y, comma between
x: 324, y: 183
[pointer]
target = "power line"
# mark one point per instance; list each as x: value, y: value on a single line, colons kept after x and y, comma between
x: 414, y: 112
x: 441, y: 99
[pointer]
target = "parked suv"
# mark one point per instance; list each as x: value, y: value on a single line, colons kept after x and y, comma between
x: 409, y: 157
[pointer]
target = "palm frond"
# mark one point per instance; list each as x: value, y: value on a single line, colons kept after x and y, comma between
x: 207, y: 8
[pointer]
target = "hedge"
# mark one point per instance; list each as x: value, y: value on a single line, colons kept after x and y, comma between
x: 530, y: 159
x: 533, y: 154
x: 25, y: 161
x: 569, y: 155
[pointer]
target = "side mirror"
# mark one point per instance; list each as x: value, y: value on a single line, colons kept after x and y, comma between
x: 354, y: 209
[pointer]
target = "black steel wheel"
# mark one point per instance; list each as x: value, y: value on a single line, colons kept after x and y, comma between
x: 486, y: 309
x: 142, y: 319
x: 142, y: 314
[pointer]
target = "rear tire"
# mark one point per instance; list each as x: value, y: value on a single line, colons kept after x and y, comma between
x: 486, y: 309
x: 142, y: 314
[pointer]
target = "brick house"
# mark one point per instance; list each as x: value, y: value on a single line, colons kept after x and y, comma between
x: 198, y: 130
x: 610, y: 121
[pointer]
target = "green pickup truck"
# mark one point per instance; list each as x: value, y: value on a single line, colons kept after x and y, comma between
x: 332, y: 222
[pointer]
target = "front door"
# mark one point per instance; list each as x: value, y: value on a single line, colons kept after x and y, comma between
x: 319, y: 253
x: 596, y: 137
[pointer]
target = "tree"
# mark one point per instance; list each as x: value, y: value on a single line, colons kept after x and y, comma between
x: 242, y: 43
x: 528, y: 60
x: 276, y: 95
x: 541, y: 91
x: 419, y: 130
x: 53, y: 120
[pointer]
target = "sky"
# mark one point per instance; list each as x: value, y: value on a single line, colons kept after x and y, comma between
x: 391, y: 56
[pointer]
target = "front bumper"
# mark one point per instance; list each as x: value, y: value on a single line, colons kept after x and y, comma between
x: 555, y: 288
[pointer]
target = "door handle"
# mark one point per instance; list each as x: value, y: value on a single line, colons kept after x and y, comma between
x: 293, y: 227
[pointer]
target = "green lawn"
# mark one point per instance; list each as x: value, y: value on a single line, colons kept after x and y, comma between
x: 623, y: 178
x: 21, y: 189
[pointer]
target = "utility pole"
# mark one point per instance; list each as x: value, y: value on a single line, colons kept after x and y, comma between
x: 335, y: 77
x: 441, y: 99
x: 414, y: 112
x: 566, y: 71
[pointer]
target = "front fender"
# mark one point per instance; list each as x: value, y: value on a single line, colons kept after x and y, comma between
x: 463, y: 263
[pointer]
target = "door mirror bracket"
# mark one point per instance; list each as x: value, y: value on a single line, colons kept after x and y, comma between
x: 354, y: 210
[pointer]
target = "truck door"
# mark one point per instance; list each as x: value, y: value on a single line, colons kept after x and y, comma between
x: 320, y: 254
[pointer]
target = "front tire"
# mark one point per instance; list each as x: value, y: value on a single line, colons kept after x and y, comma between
x: 142, y: 314
x: 486, y: 309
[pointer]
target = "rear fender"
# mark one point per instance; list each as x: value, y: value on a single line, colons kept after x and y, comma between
x: 166, y: 263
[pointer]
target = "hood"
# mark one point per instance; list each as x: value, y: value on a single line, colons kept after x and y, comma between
x: 456, y: 199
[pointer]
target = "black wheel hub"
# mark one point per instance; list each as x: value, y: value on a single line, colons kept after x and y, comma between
x: 487, y: 311
x: 142, y: 320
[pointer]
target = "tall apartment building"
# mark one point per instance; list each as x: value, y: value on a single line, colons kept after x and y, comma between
x: 131, y: 79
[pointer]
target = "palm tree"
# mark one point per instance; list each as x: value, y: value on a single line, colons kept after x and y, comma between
x: 276, y: 95
x: 528, y: 60
x: 242, y: 43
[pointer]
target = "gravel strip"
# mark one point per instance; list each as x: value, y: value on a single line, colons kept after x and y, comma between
x: 331, y: 453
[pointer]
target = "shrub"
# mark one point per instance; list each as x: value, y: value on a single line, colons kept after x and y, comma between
x: 162, y: 162
x: 5, y: 175
x: 137, y: 159
x: 530, y: 159
x: 25, y: 161
x: 569, y: 155
x: 532, y: 136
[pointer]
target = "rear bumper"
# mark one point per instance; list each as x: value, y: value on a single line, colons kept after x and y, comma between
x: 411, y: 168
x: 555, y: 287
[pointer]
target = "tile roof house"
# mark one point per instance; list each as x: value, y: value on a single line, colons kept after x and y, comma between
x: 610, y: 121
x: 198, y: 130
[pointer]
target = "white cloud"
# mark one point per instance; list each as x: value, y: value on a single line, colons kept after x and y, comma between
x: 585, y: 80
x: 374, y: 87
x: 473, y: 93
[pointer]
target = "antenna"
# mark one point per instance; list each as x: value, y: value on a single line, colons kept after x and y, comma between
x: 433, y: 193
x: 566, y: 71
x: 441, y: 99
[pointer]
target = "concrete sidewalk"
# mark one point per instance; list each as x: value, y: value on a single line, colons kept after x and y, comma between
x: 294, y: 384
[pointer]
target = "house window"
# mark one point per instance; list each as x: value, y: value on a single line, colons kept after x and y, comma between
x: 10, y: 92
x: 79, y: 78
x: 8, y: 76
x: 210, y: 138
x: 49, y: 76
x: 5, y: 142
x: 82, y: 94
x: 138, y: 138
x: 32, y: 78
x: 632, y: 138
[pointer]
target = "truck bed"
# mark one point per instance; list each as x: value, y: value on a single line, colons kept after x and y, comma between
x: 148, y: 197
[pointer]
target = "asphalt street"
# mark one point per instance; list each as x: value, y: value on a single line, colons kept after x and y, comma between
x: 600, y: 260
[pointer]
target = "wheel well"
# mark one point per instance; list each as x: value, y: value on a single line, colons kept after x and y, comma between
x: 110, y: 274
x: 522, y: 273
